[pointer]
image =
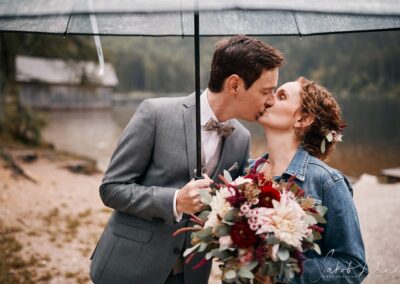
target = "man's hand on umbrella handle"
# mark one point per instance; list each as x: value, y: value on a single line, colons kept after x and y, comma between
x: 188, y: 198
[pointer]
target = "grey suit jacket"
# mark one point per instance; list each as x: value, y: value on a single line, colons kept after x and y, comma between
x: 154, y: 157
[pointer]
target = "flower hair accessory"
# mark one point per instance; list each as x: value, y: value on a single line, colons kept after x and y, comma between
x: 332, y: 136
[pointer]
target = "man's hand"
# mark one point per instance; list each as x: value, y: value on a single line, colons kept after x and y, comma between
x: 188, y: 198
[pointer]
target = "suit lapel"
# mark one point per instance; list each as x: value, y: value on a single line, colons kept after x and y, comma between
x: 190, y: 135
x: 227, y: 149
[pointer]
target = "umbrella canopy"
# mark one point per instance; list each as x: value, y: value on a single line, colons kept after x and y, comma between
x: 217, y: 17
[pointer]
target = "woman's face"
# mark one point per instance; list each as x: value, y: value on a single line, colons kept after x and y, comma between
x: 284, y: 114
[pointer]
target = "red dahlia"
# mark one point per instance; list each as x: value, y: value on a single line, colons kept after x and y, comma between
x: 268, y: 193
x: 242, y: 236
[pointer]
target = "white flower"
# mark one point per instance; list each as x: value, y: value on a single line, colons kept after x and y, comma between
x: 242, y: 180
x: 219, y: 206
x: 286, y: 220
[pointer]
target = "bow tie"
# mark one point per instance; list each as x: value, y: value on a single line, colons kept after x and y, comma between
x: 222, y: 129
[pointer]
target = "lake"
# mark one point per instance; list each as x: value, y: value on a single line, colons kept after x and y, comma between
x: 370, y: 143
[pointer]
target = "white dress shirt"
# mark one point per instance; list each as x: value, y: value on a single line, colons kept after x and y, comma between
x: 211, y: 143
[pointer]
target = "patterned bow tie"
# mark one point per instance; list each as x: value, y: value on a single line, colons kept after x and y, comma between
x: 222, y: 129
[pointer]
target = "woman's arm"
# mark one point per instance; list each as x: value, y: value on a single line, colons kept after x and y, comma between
x: 343, y: 256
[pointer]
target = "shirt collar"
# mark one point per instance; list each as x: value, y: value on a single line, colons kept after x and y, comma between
x: 206, y: 111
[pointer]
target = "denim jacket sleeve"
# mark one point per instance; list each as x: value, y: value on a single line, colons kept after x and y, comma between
x: 343, y: 256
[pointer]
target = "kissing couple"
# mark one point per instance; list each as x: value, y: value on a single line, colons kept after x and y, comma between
x: 150, y: 179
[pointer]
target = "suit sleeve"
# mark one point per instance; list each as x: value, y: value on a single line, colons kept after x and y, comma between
x: 121, y: 189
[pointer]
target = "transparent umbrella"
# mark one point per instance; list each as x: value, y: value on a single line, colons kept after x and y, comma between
x: 197, y: 18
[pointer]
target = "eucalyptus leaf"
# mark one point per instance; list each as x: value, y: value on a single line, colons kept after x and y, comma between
x: 319, y: 218
x: 310, y: 219
x: 203, y: 247
x: 204, y: 233
x: 317, y: 248
x: 230, y: 215
x: 283, y: 254
x: 244, y: 272
x: 317, y: 235
x: 190, y: 250
x: 252, y: 265
x: 289, y: 273
x: 204, y: 215
x: 231, y: 274
x: 272, y: 240
x: 205, y: 196
x: 227, y: 176
x: 329, y: 137
x: 220, y: 254
x: 321, y: 209
x: 221, y: 230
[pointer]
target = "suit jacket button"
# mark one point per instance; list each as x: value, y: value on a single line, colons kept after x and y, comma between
x: 177, y: 251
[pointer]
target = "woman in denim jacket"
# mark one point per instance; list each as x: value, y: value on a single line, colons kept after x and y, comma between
x: 302, y: 129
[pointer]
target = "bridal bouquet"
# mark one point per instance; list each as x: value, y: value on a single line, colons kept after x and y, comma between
x: 256, y: 227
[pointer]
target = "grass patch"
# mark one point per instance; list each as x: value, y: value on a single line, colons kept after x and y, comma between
x: 13, y: 269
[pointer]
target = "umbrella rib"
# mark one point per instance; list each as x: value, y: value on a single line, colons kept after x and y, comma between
x: 97, y: 41
x: 181, y: 17
x: 66, y: 28
x: 297, y: 24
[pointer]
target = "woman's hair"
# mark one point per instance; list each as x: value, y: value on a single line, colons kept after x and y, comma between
x: 318, y: 103
x: 244, y: 56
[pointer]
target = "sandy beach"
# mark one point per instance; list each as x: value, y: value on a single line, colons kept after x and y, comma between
x: 49, y: 225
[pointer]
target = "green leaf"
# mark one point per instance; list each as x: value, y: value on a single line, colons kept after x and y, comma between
x: 205, y: 196
x: 283, y: 254
x: 321, y: 209
x: 317, y: 248
x: 272, y: 240
x: 204, y: 215
x: 231, y: 274
x: 221, y: 230
x: 316, y: 235
x: 310, y: 219
x: 245, y: 272
x: 227, y: 176
x: 252, y: 265
x: 289, y: 273
x: 204, y: 233
x: 329, y: 137
x: 190, y: 250
x: 230, y: 215
x: 203, y: 247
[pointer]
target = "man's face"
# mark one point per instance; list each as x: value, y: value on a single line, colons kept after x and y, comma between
x: 254, y: 100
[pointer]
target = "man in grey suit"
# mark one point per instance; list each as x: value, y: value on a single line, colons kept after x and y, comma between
x: 149, y: 182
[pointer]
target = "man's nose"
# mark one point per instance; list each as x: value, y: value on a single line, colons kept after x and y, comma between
x: 270, y: 101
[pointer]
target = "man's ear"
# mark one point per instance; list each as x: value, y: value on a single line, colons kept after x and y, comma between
x: 233, y: 84
x: 303, y: 120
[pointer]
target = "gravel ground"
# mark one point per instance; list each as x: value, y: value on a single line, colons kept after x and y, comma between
x: 59, y: 219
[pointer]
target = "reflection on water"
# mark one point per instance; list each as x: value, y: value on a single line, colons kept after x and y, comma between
x: 370, y: 141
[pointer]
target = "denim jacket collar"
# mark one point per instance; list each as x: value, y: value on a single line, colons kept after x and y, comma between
x: 298, y: 165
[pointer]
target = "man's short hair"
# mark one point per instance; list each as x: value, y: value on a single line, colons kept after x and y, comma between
x: 244, y: 56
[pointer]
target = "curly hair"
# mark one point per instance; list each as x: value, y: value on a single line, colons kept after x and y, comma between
x: 318, y: 103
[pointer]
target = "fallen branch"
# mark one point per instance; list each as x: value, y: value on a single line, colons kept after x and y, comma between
x: 15, y: 168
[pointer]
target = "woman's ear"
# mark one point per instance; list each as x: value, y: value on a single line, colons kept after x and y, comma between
x: 303, y: 120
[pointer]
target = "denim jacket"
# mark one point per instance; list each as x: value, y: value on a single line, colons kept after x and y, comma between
x: 342, y: 258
